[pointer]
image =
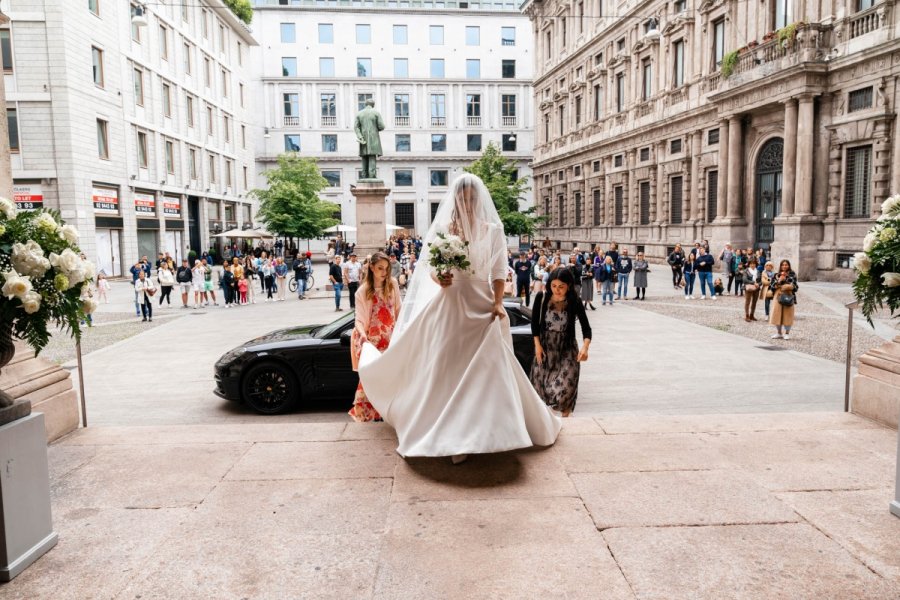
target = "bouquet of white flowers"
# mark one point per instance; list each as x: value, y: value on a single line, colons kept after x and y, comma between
x: 42, y: 275
x: 449, y: 252
x: 878, y: 265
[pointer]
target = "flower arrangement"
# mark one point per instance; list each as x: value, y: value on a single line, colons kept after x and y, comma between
x: 43, y: 277
x: 878, y: 265
x: 449, y: 252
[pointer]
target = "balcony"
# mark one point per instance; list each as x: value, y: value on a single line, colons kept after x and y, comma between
x: 473, y: 121
x: 509, y: 121
x: 438, y: 121
x: 291, y: 121
x: 865, y: 21
x: 401, y: 121
x: 329, y: 121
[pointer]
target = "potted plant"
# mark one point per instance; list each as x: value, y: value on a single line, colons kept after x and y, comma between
x: 878, y: 265
x: 729, y: 62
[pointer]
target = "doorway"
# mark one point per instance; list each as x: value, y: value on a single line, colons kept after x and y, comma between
x: 147, y: 244
x: 175, y: 245
x: 769, y: 165
x: 109, y: 259
x: 194, y: 223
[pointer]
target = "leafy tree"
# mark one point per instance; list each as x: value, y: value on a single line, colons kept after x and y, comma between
x: 242, y: 9
x: 498, y: 174
x: 291, y: 205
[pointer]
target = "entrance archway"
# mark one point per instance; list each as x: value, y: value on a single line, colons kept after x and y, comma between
x: 769, y: 165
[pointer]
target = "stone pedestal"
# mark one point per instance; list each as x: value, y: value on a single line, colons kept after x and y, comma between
x: 798, y: 239
x: 47, y: 386
x: 876, y: 387
x: 371, y: 230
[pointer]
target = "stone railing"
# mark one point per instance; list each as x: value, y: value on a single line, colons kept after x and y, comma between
x: 864, y: 21
x: 644, y: 108
x: 438, y: 121
x: 509, y: 121
x: 401, y: 121
x: 291, y: 121
x: 677, y: 96
x: 329, y: 121
x: 473, y: 121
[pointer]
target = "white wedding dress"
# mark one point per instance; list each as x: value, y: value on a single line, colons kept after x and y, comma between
x: 449, y: 382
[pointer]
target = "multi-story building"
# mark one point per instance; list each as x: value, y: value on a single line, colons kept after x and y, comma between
x: 448, y: 78
x: 768, y: 123
x: 139, y: 134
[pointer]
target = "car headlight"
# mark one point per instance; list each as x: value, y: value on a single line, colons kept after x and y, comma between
x: 231, y: 355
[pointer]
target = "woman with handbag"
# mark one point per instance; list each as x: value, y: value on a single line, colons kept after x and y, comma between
x: 784, y: 288
x: 587, y: 285
x: 750, y: 281
x: 765, y: 278
x: 145, y: 289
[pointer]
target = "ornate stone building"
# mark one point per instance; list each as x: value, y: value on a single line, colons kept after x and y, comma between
x: 766, y: 123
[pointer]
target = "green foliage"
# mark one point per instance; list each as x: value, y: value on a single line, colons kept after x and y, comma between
x: 291, y: 205
x: 497, y: 173
x: 241, y: 9
x: 787, y: 34
x: 729, y: 62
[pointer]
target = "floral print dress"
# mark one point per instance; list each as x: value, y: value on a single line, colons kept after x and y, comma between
x: 381, y: 326
x: 556, y: 378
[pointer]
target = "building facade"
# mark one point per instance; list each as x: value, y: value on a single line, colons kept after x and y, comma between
x: 448, y: 78
x: 766, y: 123
x: 139, y: 135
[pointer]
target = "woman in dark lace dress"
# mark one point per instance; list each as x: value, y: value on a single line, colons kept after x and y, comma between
x: 556, y: 369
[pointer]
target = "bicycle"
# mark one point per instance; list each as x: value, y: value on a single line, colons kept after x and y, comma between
x: 310, y: 283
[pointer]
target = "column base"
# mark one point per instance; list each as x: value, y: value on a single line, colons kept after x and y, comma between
x: 371, y: 230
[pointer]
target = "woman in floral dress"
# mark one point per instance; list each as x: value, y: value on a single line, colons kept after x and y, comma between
x: 556, y: 369
x: 377, y: 307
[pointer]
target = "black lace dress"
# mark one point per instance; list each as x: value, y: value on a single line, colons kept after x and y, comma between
x: 556, y: 378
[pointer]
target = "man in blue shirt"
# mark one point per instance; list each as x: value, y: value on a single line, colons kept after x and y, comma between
x: 704, y: 266
x: 623, y: 268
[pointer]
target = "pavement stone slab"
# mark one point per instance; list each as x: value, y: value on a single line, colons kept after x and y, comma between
x: 859, y: 521
x: 312, y: 460
x: 504, y: 548
x: 533, y: 473
x: 581, y: 426
x: 610, y: 453
x: 615, y: 424
x: 63, y: 460
x: 786, y: 561
x: 368, y: 431
x: 206, y: 434
x: 678, y: 498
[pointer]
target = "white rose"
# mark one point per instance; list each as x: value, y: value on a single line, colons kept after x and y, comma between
x: 869, y: 241
x: 862, y: 262
x: 891, y: 206
x: 69, y: 233
x: 28, y: 259
x: 67, y: 262
x: 89, y: 305
x: 46, y: 221
x: 90, y: 270
x: 15, y: 285
x: 31, y: 302
x: 891, y: 279
x: 7, y: 208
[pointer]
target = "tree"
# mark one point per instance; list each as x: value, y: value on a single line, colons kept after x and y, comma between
x: 291, y: 205
x: 242, y: 9
x: 498, y: 174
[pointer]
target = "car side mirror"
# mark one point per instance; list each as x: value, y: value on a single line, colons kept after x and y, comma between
x: 346, y: 336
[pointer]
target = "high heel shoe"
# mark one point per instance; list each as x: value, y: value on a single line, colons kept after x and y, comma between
x: 591, y: 304
x: 459, y: 458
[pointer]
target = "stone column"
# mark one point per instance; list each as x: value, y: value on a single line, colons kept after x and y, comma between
x: 722, y: 188
x: 735, y: 178
x: 790, y: 158
x: 632, y: 198
x: 692, y: 206
x: 804, y: 171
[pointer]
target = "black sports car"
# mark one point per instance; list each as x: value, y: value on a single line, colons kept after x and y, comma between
x: 309, y: 365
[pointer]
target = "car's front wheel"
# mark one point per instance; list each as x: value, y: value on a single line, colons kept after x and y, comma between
x: 270, y: 388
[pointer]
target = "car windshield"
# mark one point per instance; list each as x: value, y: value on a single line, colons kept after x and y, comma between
x: 335, y: 327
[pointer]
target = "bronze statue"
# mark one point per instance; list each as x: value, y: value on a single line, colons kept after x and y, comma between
x: 367, y: 124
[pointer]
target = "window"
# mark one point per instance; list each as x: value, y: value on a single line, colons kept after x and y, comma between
x: 719, y: 40
x: 210, y: 127
x: 94, y: 6
x: 363, y: 34
x: 12, y: 121
x: 858, y: 182
x: 647, y: 79
x: 170, y: 157
x: 333, y: 178
x: 139, y: 87
x: 473, y: 142
x: 164, y: 42
x: 598, y: 207
x: 676, y: 185
x: 546, y: 127
x: 620, y: 45
x: 142, y: 149
x: 326, y: 67
x: 189, y: 108
x: 243, y: 136
x: 712, y: 137
x: 291, y: 105
x: 438, y: 142
x: 403, y: 178
x: 102, y: 137
x: 562, y: 32
x: 578, y: 209
x: 241, y: 93
x: 864, y: 4
x: 288, y: 33
x: 96, y: 56
x: 436, y: 35
x: 204, y: 23
x: 167, y: 100
x: 620, y: 92
x: 401, y: 35
x: 187, y: 59
x: 437, y: 68
x: 619, y: 199
x: 562, y: 119
x: 508, y: 105
x: 561, y: 205
x: 645, y: 202
x: 401, y: 105
x: 680, y: 6
x: 439, y: 177
x: 644, y: 154
x: 212, y: 171
x: 361, y: 100
x: 595, y: 166
x: 548, y: 45
x: 434, y: 209
x: 326, y: 33
x: 292, y: 143
x: 328, y: 105
x: 6, y: 50
x: 675, y: 146
x: 579, y: 13
x: 782, y: 13
x: 438, y: 109
x: 508, y: 36
x: 598, y: 102
x: 618, y: 160
x: 598, y: 59
x: 221, y: 38
x: 402, y: 142
x: 329, y: 142
x: 226, y: 127
x: 712, y: 195
x: 246, y: 179
x: 363, y: 67
x: 473, y: 105
x: 473, y: 68
x: 473, y: 36
x: 860, y: 99
x: 288, y: 66
x: 509, y: 142
x: 229, y: 173
x: 678, y: 58
x: 192, y: 163
x: 508, y: 69
x: 135, y: 29
x: 401, y: 67
x: 577, y: 111
x: 404, y: 215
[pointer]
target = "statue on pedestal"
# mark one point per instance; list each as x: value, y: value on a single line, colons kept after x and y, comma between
x: 367, y: 124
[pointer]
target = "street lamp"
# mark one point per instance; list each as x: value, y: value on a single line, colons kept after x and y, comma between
x: 138, y: 18
x: 652, y: 32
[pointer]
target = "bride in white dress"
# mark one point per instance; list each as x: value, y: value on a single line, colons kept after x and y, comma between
x: 449, y: 382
